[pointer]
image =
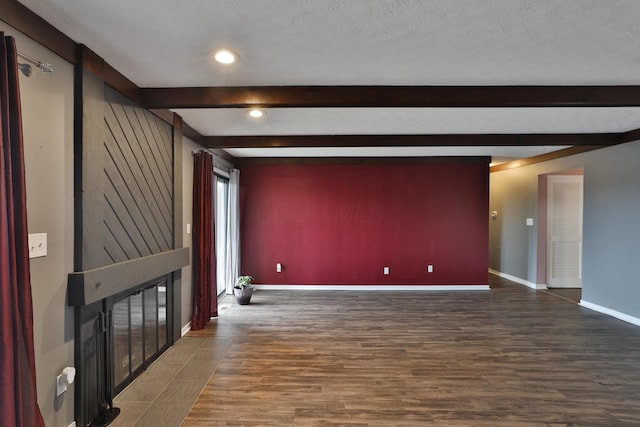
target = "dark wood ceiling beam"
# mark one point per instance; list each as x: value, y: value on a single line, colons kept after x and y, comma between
x: 89, y: 60
x: 193, y: 134
x: 545, y: 157
x: 391, y: 96
x: 458, y: 140
x: 632, y: 135
x: 245, y: 161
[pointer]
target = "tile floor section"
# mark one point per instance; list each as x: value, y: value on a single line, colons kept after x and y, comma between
x: 163, y: 395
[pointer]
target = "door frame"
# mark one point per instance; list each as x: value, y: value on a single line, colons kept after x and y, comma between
x: 541, y: 265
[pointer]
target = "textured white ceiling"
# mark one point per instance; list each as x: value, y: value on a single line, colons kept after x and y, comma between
x: 359, y: 42
x: 167, y: 43
x: 412, y: 121
x: 506, y: 153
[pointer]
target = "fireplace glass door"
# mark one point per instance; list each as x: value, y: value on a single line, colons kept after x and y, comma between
x: 140, y: 331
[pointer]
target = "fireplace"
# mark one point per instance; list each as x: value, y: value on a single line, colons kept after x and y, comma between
x: 128, y: 254
x: 119, y: 337
x: 125, y: 319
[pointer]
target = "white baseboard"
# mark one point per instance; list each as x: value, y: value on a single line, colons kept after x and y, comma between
x: 610, y: 312
x: 518, y: 280
x: 186, y: 328
x: 375, y: 287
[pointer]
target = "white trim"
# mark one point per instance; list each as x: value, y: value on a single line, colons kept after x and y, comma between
x: 610, y: 312
x: 186, y: 328
x: 518, y: 280
x: 375, y: 287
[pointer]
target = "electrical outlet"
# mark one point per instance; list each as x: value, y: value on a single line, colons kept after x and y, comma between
x: 429, y: 268
x: 385, y: 270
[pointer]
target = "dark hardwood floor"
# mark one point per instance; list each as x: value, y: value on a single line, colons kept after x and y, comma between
x: 511, y: 356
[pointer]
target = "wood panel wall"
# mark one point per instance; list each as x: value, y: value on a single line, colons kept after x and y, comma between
x: 128, y: 203
x: 138, y: 181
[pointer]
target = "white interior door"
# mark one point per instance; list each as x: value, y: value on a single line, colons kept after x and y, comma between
x: 564, y: 231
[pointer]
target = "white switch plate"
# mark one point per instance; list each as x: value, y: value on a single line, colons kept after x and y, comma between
x: 385, y: 270
x: 529, y: 222
x: 188, y: 228
x: 429, y: 268
x: 37, y: 245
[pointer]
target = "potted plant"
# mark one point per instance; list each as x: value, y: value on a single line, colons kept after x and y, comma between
x: 243, y: 289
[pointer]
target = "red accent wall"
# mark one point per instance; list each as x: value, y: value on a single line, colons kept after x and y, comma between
x: 342, y: 223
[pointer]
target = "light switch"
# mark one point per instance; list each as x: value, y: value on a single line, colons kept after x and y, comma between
x: 37, y: 245
x: 385, y: 270
x: 529, y: 222
x: 188, y: 228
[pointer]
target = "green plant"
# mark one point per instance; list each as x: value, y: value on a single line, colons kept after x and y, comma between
x: 244, y: 282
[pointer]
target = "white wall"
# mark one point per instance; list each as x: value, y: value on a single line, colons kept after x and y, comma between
x: 47, y: 109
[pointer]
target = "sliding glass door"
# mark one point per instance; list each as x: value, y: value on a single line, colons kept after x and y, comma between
x: 227, y: 229
x: 222, y: 231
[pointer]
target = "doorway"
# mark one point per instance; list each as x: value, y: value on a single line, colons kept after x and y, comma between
x: 564, y: 231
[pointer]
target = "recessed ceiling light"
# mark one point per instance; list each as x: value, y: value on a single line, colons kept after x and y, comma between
x: 225, y: 56
x: 256, y: 113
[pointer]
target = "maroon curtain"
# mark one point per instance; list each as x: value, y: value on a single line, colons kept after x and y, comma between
x: 204, y: 296
x: 18, y: 398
